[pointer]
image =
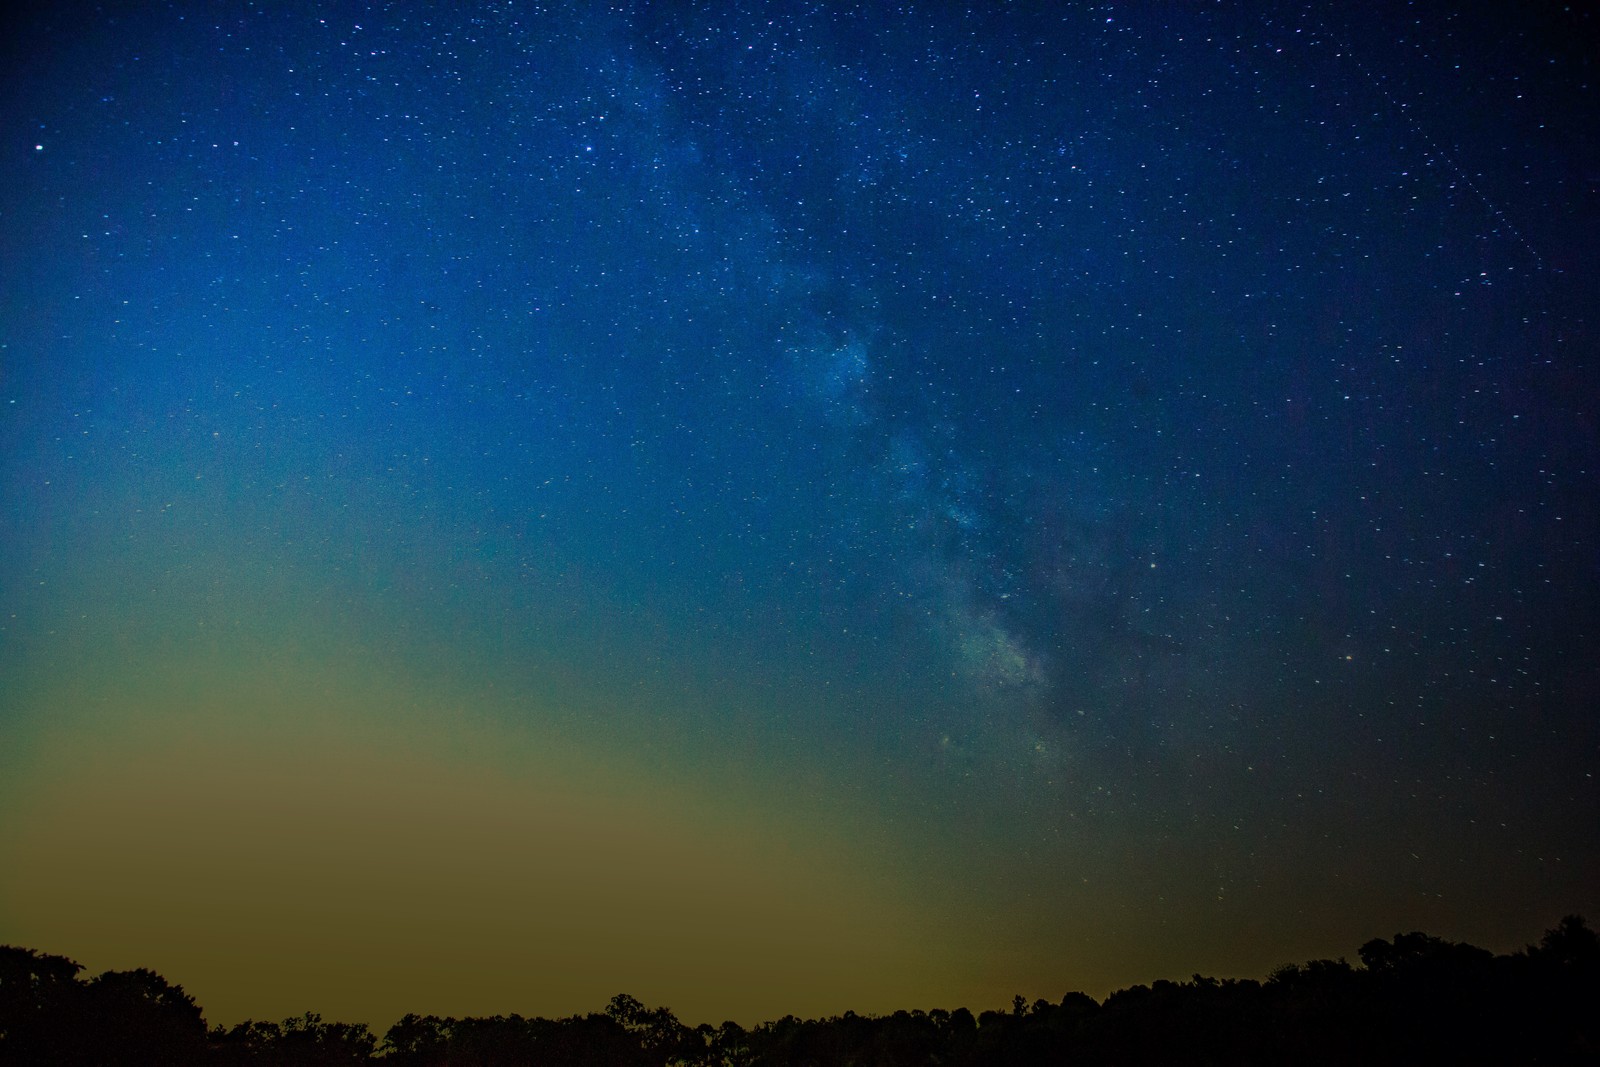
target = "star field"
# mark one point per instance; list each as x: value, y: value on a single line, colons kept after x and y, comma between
x: 897, y: 506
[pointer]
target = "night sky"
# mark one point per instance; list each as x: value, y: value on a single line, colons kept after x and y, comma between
x: 792, y: 507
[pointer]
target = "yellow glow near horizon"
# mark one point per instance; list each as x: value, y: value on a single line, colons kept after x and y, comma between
x: 360, y: 857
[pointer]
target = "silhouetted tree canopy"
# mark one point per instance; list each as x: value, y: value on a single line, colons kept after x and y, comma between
x: 1413, y: 999
x: 48, y: 1016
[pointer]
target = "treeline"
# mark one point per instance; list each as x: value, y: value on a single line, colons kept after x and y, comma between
x: 1413, y: 1000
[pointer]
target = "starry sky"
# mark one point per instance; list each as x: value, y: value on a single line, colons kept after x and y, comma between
x: 781, y: 507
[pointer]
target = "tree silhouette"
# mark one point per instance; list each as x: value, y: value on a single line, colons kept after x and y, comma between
x: 303, y: 1039
x: 38, y: 1003
x: 132, y: 1018
x: 1414, y: 999
x: 1570, y: 944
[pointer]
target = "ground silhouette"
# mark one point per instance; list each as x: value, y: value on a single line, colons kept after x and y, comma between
x: 1414, y: 999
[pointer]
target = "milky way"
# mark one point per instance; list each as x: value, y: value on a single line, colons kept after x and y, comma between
x: 898, y: 507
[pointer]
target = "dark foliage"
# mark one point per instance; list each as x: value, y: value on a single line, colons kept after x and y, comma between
x: 1413, y: 999
x: 48, y: 1016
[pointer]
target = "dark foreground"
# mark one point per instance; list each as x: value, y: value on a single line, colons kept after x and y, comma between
x: 1413, y: 1000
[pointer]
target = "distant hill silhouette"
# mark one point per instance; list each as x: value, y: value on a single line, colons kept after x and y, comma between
x: 1413, y: 1000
